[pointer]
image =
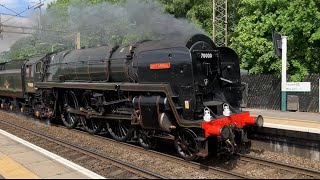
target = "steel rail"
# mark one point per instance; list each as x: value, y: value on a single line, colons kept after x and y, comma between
x: 127, y: 166
x: 168, y: 157
x: 295, y: 169
x: 216, y: 171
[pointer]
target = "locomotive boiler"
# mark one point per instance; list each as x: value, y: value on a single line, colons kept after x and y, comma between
x: 183, y: 88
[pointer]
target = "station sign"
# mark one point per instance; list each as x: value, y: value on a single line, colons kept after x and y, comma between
x: 298, y: 86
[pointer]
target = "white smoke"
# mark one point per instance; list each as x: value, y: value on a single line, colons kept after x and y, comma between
x: 132, y: 21
x: 105, y: 23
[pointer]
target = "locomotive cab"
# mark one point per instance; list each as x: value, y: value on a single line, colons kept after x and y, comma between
x: 33, y: 72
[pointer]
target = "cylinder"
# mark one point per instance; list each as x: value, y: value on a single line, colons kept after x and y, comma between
x: 152, y: 112
x: 163, y: 101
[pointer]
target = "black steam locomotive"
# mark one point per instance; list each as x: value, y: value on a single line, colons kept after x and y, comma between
x: 184, y: 89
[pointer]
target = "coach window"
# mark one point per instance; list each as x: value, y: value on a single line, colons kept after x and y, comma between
x: 38, y: 67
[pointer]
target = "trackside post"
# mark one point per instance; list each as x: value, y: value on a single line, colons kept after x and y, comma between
x: 284, y: 74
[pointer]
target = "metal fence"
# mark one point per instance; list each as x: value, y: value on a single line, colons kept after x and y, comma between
x: 264, y: 92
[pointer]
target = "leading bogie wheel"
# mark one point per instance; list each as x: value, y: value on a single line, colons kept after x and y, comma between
x: 186, y: 144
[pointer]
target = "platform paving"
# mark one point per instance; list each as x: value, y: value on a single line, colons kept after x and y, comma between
x: 288, y: 115
x: 296, y: 121
x: 18, y: 161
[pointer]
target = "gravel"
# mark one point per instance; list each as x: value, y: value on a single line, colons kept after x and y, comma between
x: 289, y: 159
x: 156, y: 164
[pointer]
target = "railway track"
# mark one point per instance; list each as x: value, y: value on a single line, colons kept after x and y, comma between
x: 154, y: 154
x: 106, y: 166
x: 289, y: 172
x: 217, y: 171
x: 244, y: 163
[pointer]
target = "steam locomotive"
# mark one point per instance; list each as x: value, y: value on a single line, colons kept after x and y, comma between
x: 183, y: 89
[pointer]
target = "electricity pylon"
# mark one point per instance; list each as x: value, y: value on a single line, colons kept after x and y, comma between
x: 220, y: 22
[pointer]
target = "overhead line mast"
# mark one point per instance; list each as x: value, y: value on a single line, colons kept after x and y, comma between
x: 40, y: 14
x: 1, y: 30
x: 220, y: 22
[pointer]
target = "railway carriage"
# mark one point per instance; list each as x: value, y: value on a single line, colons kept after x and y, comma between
x: 182, y: 88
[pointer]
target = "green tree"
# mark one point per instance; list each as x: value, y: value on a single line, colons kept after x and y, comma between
x: 297, y: 19
x: 23, y: 48
x: 201, y: 13
x: 197, y: 11
x: 30, y: 46
x: 4, y: 57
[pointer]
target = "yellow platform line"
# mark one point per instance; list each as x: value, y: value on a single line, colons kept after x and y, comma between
x: 10, y: 169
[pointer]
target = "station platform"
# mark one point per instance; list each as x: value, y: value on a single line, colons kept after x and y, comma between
x: 295, y: 121
x: 22, y: 160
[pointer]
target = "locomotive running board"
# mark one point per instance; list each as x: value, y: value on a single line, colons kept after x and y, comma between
x: 162, y: 88
x: 106, y: 86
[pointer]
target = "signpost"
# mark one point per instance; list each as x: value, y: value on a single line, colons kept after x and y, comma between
x: 298, y: 87
x: 284, y: 74
x: 280, y: 50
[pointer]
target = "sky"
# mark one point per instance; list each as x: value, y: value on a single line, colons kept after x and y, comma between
x: 14, y: 7
x: 20, y: 6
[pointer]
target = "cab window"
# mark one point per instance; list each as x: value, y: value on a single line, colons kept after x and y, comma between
x: 28, y: 71
x: 38, y: 67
